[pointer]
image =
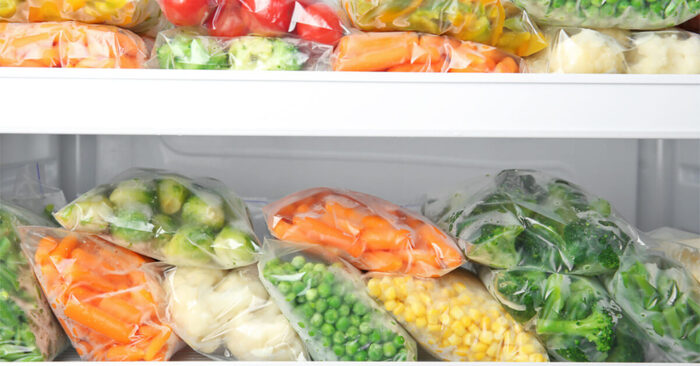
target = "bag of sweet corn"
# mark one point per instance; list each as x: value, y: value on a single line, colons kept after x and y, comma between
x: 455, y: 318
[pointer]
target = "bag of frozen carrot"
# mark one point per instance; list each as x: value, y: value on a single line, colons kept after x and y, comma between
x: 370, y: 233
x: 99, y: 294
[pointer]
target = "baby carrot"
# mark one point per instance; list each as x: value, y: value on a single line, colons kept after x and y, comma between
x: 318, y: 232
x: 157, y: 343
x: 96, y: 319
x: 124, y: 353
x: 120, y: 309
x: 381, y: 261
x: 66, y: 246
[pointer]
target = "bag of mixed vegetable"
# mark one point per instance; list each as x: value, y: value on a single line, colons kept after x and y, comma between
x: 326, y: 302
x: 225, y: 315
x: 523, y: 218
x: 28, y: 330
x: 163, y: 215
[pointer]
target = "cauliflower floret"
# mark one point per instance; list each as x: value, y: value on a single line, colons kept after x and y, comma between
x: 264, y: 335
x: 587, y: 52
x: 672, y: 52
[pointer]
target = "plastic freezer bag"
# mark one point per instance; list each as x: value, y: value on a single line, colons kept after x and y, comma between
x: 169, y: 217
x: 663, y: 298
x: 100, y: 295
x: 680, y: 246
x: 182, y: 49
x: 225, y: 315
x: 524, y: 218
x: 455, y: 318
x: 574, y: 316
x: 623, y: 14
x: 414, y: 52
x: 28, y: 330
x: 69, y: 44
x: 327, y: 303
x: 520, y: 36
x: 370, y: 233
x: 664, y: 52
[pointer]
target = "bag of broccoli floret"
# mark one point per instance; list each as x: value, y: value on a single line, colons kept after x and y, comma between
x: 524, y: 218
x: 169, y: 217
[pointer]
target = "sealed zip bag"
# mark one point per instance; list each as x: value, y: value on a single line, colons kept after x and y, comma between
x: 225, y: 315
x: 327, y: 303
x: 169, y: 217
x: 455, y: 318
x: 28, y: 329
x: 370, y: 233
x: 99, y: 294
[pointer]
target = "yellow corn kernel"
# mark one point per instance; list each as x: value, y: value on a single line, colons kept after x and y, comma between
x: 507, y: 335
x: 479, y: 347
x: 390, y: 305
x: 459, y: 287
x: 494, y: 313
x: 421, y: 322
x: 462, y: 351
x: 507, y: 348
x: 398, y: 309
x: 402, y: 291
x: 466, y: 321
x: 434, y: 328
x: 474, y: 313
x: 373, y: 287
x: 536, y: 357
x: 486, y: 337
x: 385, y: 283
x: 409, y: 315
x: 528, y: 348
x: 458, y: 328
x: 446, y: 332
x: 468, y: 339
x: 446, y: 292
x: 390, y: 293
x: 454, y: 340
x: 444, y: 318
x: 485, y: 323
x: 457, y: 313
x: 433, y: 316
x: 425, y: 299
x: 520, y: 338
x: 493, y: 350
x: 473, y: 329
x: 479, y: 356
x: 418, y: 308
x: 463, y: 299
x: 521, y: 358
x: 431, y: 341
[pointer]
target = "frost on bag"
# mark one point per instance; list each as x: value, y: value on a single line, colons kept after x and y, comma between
x: 28, y: 330
x: 326, y: 302
x: 524, y: 218
x: 415, y: 52
x: 99, y: 294
x: 183, y: 49
x: 370, y: 233
x: 574, y: 316
x: 623, y: 14
x: 69, y: 44
x: 662, y: 297
x: 455, y: 318
x: 169, y: 217
x: 226, y: 315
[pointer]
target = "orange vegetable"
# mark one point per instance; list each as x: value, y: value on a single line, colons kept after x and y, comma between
x: 98, y: 320
x: 66, y: 246
x: 374, y: 51
x: 157, y: 343
x: 120, y: 309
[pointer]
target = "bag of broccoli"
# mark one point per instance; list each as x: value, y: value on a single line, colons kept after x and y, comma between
x: 327, y: 303
x: 663, y: 298
x: 169, y: 217
x: 523, y: 218
x: 28, y: 330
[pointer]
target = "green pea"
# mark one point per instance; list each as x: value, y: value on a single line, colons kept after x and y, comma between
x: 316, y: 320
x: 607, y: 10
x: 570, y: 7
x: 307, y: 267
x: 301, y: 325
x: 361, y: 356
x: 312, y: 332
x: 351, y: 348
x: 284, y: 287
x: 319, y: 267
x: 331, y: 316
x: 343, y: 324
x: 328, y: 278
x: 593, y: 12
x: 367, y: 318
x: 298, y: 261
x: 622, y: 6
x: 585, y: 4
x: 327, y: 330
x: 387, y: 335
x: 365, y: 328
x: 359, y: 309
x: 363, y: 340
x: 637, y: 4
x: 558, y: 3
x: 399, y: 341
x: 321, y: 305
x: 352, y: 332
x: 298, y: 287
x: 288, y: 268
x: 301, y: 300
x: 334, y: 302
x: 338, y: 337
x: 290, y: 297
x: 346, y: 358
x: 307, y: 311
x: 326, y: 341
x: 375, y: 352
x: 311, y: 294
x: 274, y: 262
x: 338, y: 350
x: 339, y: 289
x: 354, y: 320
x: 344, y: 310
x: 375, y: 336
x: 597, y: 3
x: 657, y: 9
x: 402, y: 355
x: 349, y: 299
x: 389, y: 349
x: 324, y: 290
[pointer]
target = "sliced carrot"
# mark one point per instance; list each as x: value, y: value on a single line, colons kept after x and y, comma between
x: 318, y: 232
x: 157, y: 343
x: 374, y: 51
x: 507, y: 65
x: 124, y: 353
x: 66, y: 246
x: 380, y: 261
x: 385, y: 238
x: 96, y: 319
x: 88, y: 279
x: 44, y: 247
x: 120, y: 309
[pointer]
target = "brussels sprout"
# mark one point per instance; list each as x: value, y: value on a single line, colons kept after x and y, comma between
x: 204, y: 209
x: 131, y: 226
x: 234, y: 248
x: 189, y: 245
x: 89, y: 214
x: 171, y: 196
x: 132, y: 192
x: 164, y: 227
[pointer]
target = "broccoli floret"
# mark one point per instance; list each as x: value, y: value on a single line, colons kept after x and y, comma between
x: 131, y: 226
x: 565, y: 194
x: 263, y: 53
x: 171, y: 196
x: 539, y: 246
x: 520, y: 185
x: 522, y: 292
x: 592, y: 247
x: 204, y: 209
x: 573, y: 354
x: 496, y: 246
x: 189, y: 51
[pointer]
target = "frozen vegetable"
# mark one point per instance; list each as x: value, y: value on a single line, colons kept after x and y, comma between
x: 326, y: 302
x: 527, y: 218
x: 177, y: 49
x: 28, y: 330
x: 367, y: 231
x: 455, y: 318
x: 664, y: 52
x: 99, y: 293
x: 580, y: 51
x: 169, y: 217
x: 680, y: 246
x: 520, y: 36
x: 413, y: 52
x: 226, y: 315
x: 123, y: 13
x: 69, y: 44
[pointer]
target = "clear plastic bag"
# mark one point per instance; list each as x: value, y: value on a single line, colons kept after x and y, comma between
x: 622, y: 14
x: 662, y: 297
x: 187, y: 49
x: 520, y: 36
x: 455, y: 318
x: 169, y: 217
x: 326, y: 302
x: 525, y: 218
x: 28, y: 330
x: 680, y: 246
x: 225, y: 315
x: 122, y: 13
x: 69, y: 44
x: 370, y: 233
x: 100, y: 296
x: 414, y: 52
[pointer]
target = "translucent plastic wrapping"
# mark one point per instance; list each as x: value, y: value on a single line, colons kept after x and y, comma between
x: 572, y: 315
x: 225, y: 315
x: 163, y: 215
x: 123, y: 13
x: 520, y: 36
x: 663, y: 298
x: 370, y: 233
x: 578, y: 50
x: 414, y: 52
x: 69, y: 44
x: 680, y: 246
x: 28, y: 330
x: 326, y: 302
x: 455, y: 318
x: 524, y: 218
x: 623, y: 14
x: 183, y: 49
x: 99, y: 294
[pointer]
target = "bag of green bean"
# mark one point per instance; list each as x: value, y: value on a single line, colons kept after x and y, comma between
x: 326, y: 302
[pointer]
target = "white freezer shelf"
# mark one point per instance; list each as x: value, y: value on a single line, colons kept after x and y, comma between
x: 194, y: 102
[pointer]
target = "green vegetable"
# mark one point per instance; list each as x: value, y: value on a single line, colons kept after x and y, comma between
x: 171, y: 196
x: 132, y: 193
x: 190, y: 244
x: 190, y: 51
x: 204, y: 209
x: 131, y: 226
x: 234, y: 247
x: 263, y: 53
x: 89, y: 214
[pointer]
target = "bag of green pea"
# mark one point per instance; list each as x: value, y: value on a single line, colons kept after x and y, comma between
x: 169, y: 217
x: 326, y: 302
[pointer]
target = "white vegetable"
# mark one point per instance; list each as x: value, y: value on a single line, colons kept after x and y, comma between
x: 670, y: 52
x: 587, y: 52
